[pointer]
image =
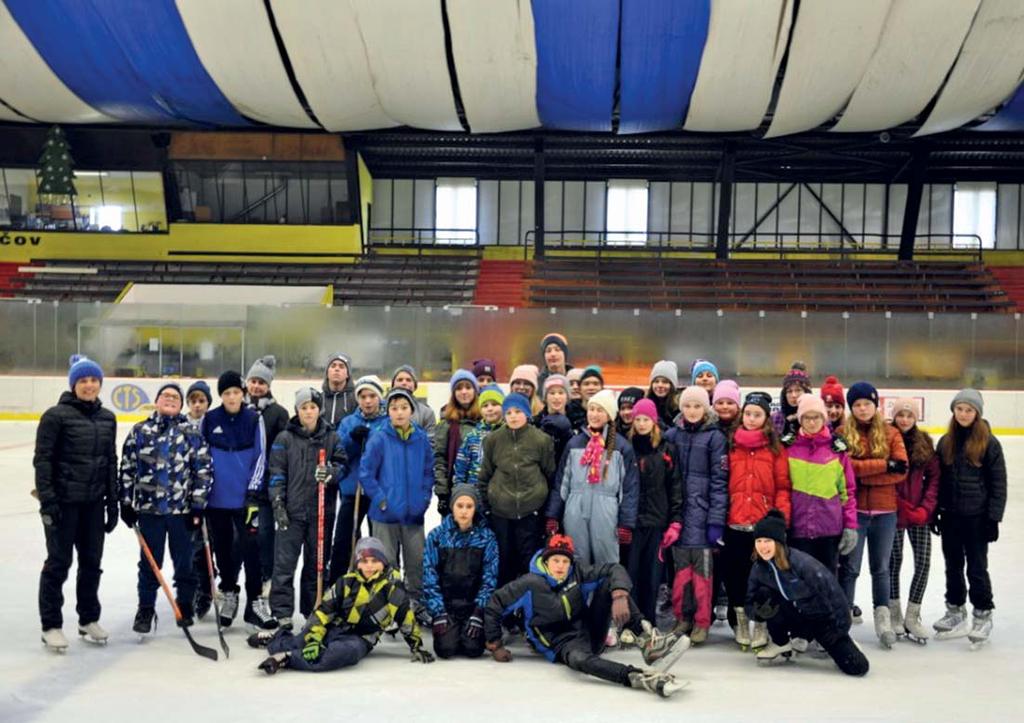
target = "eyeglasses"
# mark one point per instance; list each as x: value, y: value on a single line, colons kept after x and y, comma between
x: 170, y: 395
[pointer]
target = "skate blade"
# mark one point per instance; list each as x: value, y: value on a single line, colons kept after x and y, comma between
x: 908, y: 638
x: 780, y: 659
x: 672, y: 656
x: 951, y: 635
x: 978, y: 644
x: 86, y: 638
x: 59, y: 649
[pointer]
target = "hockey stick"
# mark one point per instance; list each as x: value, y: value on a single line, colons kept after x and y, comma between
x: 355, y: 527
x: 321, y: 462
x: 199, y: 649
x: 213, y: 591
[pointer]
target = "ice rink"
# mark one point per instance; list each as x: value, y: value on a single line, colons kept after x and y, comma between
x: 162, y: 679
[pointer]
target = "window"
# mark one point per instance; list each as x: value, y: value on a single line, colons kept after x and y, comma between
x: 455, y: 211
x: 626, y: 216
x: 974, y: 214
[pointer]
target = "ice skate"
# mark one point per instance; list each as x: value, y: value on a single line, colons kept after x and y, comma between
x: 611, y: 638
x: 93, y: 633
x: 698, y: 635
x: 262, y: 638
x: 54, y: 640
x: 981, y: 628
x: 661, y: 684
x: 257, y: 615
x: 915, y: 631
x: 721, y: 613
x: 661, y: 650
x: 799, y: 645
x: 742, y: 632
x: 145, y: 622
x: 896, y: 618
x: 202, y: 604
x: 773, y: 654
x: 228, y: 608
x: 759, y: 638
x: 883, y: 627
x: 953, y: 624
x: 627, y: 638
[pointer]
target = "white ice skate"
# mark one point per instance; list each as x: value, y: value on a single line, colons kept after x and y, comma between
x: 661, y: 684
x: 93, y: 633
x: 742, y: 631
x: 54, y: 640
x: 799, y: 645
x: 953, y: 624
x: 915, y: 631
x: 896, y: 617
x: 759, y: 638
x: 883, y: 627
x: 981, y: 628
x: 773, y: 654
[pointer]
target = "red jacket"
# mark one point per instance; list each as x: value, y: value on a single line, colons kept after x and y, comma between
x: 876, y: 486
x: 919, y: 489
x: 758, y: 481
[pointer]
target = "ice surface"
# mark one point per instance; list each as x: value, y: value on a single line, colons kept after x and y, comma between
x: 162, y: 679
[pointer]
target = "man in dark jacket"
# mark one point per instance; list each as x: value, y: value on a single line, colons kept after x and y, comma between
x: 76, y: 483
x: 338, y: 389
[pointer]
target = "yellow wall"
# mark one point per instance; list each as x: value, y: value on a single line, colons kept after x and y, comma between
x: 365, y: 197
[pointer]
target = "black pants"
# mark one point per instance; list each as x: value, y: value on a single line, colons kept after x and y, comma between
x: 80, y: 531
x: 299, y: 538
x: 788, y: 624
x: 645, y: 570
x: 265, y: 540
x: 518, y: 540
x: 963, y: 542
x: 341, y: 552
x: 235, y: 546
x: 736, y: 564
x: 823, y: 549
x: 456, y: 641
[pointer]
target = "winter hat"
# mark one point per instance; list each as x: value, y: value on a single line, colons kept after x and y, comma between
x: 410, y: 370
x: 308, y: 394
x: 832, y: 391
x: 606, y: 400
x: 906, y: 404
x: 228, y: 380
x: 574, y: 375
x: 263, y: 368
x: 645, y: 408
x: 171, y: 385
x: 665, y: 368
x: 465, y: 490
x: 861, y: 390
x: 525, y: 373
x: 464, y: 375
x: 558, y: 339
x: 772, y: 526
x: 727, y: 389
x: 371, y: 382
x: 592, y: 371
x: 702, y: 365
x: 694, y: 394
x: 559, y: 545
x: 810, y: 403
x: 485, y: 366
x: 630, y: 396
x: 81, y: 366
x: 399, y: 393
x: 343, y: 358
x: 491, y: 393
x: 516, y: 401
x: 556, y: 380
x: 371, y: 547
x: 201, y: 387
x: 969, y: 396
x: 797, y: 374
x: 759, y: 399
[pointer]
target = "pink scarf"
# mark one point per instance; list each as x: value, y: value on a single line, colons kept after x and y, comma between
x: 750, y: 438
x: 593, y: 456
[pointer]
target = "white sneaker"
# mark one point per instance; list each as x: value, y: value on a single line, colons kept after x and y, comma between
x: 93, y: 633
x: 54, y: 639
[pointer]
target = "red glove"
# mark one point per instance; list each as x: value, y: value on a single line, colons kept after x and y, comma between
x: 669, y: 538
x: 625, y: 536
x: 551, y: 526
x: 917, y: 516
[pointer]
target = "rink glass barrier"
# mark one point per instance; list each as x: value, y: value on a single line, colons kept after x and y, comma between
x: 756, y: 348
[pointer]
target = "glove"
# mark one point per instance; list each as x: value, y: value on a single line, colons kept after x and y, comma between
x: 281, y: 515
x: 499, y: 652
x: 252, y: 518
x: 556, y: 425
x: 715, y: 533
x: 551, y: 526
x: 419, y: 655
x: 620, y: 607
x: 111, y: 521
x: 314, y: 647
x: 128, y: 515
x: 476, y: 624
x: 848, y: 541
x: 50, y: 513
x: 936, y: 525
x: 359, y: 434
x: 991, y: 530
x: 440, y: 625
x: 670, y: 538
x: 766, y: 609
x: 194, y: 521
x: 625, y: 536
x: 917, y: 516
x: 442, y: 505
x: 896, y: 466
x: 322, y: 474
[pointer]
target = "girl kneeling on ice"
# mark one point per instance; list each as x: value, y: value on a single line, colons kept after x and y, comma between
x: 799, y: 598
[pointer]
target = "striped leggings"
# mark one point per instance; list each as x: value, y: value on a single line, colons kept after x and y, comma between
x: 921, y: 544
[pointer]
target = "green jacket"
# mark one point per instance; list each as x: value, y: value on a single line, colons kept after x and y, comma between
x: 517, y: 470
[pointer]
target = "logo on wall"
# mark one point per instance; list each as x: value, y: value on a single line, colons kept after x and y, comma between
x: 128, y: 397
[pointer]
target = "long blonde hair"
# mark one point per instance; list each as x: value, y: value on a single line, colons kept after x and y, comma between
x: 878, y: 438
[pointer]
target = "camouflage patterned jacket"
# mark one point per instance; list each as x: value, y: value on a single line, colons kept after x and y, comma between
x: 165, y: 467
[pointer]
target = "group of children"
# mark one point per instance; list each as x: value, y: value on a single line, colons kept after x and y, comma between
x: 566, y: 510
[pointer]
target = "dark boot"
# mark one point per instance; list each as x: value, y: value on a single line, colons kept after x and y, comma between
x: 145, y: 618
x: 187, y: 614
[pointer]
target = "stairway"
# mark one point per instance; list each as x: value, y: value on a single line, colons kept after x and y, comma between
x: 501, y: 283
x: 1011, y: 279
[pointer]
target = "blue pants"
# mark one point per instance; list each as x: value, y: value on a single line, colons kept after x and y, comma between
x: 341, y: 650
x: 878, y: 532
x: 158, y: 529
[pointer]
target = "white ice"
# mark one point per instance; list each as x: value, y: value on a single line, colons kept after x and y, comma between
x: 162, y: 679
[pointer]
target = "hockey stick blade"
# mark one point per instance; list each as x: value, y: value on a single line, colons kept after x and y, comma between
x: 199, y: 649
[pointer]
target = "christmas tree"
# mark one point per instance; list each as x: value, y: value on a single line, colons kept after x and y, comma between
x: 55, y: 175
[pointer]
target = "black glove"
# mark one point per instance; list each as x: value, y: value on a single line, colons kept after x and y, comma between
x: 439, y: 626
x: 194, y: 520
x: 111, y: 521
x: 50, y: 512
x: 991, y: 530
x: 281, y: 515
x: 359, y: 434
x: 476, y: 624
x: 419, y: 655
x: 128, y: 515
x: 443, y: 507
x: 936, y: 524
x: 896, y: 466
x: 765, y: 607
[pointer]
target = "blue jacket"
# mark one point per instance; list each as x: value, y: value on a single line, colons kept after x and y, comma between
x: 398, y: 475
x: 460, y: 569
x: 165, y: 466
x: 236, y: 445
x: 471, y: 454
x: 354, y: 449
x: 702, y: 454
x: 808, y: 586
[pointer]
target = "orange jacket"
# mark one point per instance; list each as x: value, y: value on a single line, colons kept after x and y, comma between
x: 876, y: 486
x: 758, y: 482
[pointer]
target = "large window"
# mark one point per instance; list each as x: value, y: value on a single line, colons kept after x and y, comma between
x: 974, y: 213
x: 455, y: 211
x: 626, y: 216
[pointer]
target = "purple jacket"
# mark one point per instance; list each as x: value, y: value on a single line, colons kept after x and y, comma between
x: 824, y: 487
x: 702, y: 456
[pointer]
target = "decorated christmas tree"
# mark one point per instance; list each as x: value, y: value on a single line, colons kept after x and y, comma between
x: 55, y: 176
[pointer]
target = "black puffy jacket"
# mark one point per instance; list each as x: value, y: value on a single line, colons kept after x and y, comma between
x: 972, y: 491
x: 75, y: 458
x: 807, y: 585
x: 294, y: 457
x: 661, y: 484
